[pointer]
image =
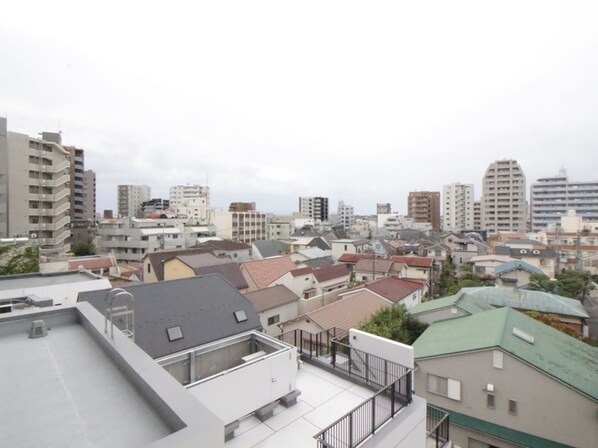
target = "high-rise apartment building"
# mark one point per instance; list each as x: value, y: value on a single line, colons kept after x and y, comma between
x: 181, y: 194
x: 458, y: 207
x: 90, y: 194
x: 244, y: 227
x: 424, y: 206
x: 503, y: 198
x: 77, y: 183
x: 34, y: 189
x: 346, y: 215
x: 131, y: 198
x: 314, y: 207
x: 551, y: 198
x: 477, y: 215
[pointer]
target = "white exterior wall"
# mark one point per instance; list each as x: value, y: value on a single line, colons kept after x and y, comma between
x: 285, y: 312
x: 181, y: 193
x: 457, y: 200
x: 253, y: 385
x: 384, y: 348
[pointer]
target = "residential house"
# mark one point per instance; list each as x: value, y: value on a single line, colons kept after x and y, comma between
x: 438, y: 251
x: 188, y: 266
x: 394, y: 290
x: 467, y: 301
x: 274, y: 305
x: 508, y: 381
x: 515, y: 274
x: 350, y: 260
x: 545, y: 259
x: 349, y: 246
x: 309, y: 282
x: 485, y: 265
x: 153, y: 263
x: 347, y: 313
x: 297, y: 243
x: 236, y: 250
x: 313, y: 257
x: 366, y: 270
x: 422, y: 268
x: 263, y: 273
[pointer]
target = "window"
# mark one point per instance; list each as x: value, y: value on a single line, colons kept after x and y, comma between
x: 497, y: 359
x: 274, y: 319
x: 444, y: 386
x: 490, y: 400
x: 513, y: 407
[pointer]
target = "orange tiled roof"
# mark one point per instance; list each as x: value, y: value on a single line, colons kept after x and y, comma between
x: 264, y: 272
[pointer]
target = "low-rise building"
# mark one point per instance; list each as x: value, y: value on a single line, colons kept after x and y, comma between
x: 349, y: 246
x: 274, y: 305
x: 508, y: 380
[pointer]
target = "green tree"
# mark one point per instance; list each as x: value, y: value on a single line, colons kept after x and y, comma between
x: 569, y: 283
x: 82, y: 248
x: 19, y: 260
x: 395, y: 323
x: 541, y: 282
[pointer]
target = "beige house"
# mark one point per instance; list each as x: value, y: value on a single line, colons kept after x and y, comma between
x: 274, y: 305
x: 509, y: 381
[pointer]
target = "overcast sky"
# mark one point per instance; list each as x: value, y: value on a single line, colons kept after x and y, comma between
x: 274, y: 100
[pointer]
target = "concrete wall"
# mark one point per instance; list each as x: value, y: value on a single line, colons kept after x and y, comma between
x: 247, y: 388
x: 521, y: 277
x: 382, y: 347
x: 314, y: 303
x: 546, y: 407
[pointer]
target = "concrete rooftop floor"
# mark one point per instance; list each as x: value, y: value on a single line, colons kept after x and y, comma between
x: 324, y: 398
x: 63, y: 391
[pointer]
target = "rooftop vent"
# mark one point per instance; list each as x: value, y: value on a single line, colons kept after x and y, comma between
x: 38, y: 329
x: 523, y: 335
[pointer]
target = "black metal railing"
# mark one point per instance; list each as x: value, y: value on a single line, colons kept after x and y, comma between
x: 437, y: 425
x: 394, y: 380
x: 314, y: 345
x: 360, y: 423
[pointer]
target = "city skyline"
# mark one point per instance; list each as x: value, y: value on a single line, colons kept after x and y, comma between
x: 271, y: 102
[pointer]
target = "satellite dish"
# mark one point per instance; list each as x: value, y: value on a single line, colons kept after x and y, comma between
x: 33, y: 236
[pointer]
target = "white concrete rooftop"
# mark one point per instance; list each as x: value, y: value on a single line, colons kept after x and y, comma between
x: 325, y: 397
x: 62, y: 390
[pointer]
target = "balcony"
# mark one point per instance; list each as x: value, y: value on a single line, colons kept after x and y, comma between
x: 437, y: 427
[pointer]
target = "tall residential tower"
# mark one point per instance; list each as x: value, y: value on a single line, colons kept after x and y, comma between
x: 424, y: 206
x: 458, y: 207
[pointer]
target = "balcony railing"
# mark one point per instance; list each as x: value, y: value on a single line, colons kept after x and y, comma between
x: 360, y: 423
x: 437, y: 426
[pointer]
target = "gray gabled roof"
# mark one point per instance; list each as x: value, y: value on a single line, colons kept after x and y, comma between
x: 271, y: 248
x: 203, y: 307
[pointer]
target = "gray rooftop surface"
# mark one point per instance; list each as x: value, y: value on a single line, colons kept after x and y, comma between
x: 38, y: 279
x: 63, y: 391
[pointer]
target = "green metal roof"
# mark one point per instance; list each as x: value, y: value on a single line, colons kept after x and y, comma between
x: 558, y: 355
x: 501, y: 432
x: 473, y: 300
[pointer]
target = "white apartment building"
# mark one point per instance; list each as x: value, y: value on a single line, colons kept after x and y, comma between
x: 552, y: 197
x: 131, y: 198
x: 180, y: 195
x: 194, y: 210
x: 280, y: 228
x: 129, y: 239
x: 34, y: 189
x: 244, y: 227
x: 457, y: 200
x: 345, y: 215
x: 314, y: 207
x: 503, y: 198
x: 394, y: 222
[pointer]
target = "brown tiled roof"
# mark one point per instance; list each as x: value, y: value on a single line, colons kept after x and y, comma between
x: 301, y: 271
x: 331, y: 272
x: 197, y: 261
x: 264, y: 272
x: 354, y: 258
x: 393, y: 288
x: 418, y: 262
x: 268, y: 298
x: 349, y: 312
x: 373, y: 265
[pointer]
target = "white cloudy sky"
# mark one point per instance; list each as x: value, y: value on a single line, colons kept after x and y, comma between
x: 273, y: 100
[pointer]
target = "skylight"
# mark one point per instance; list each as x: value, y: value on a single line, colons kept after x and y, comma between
x: 240, y: 316
x: 174, y: 333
